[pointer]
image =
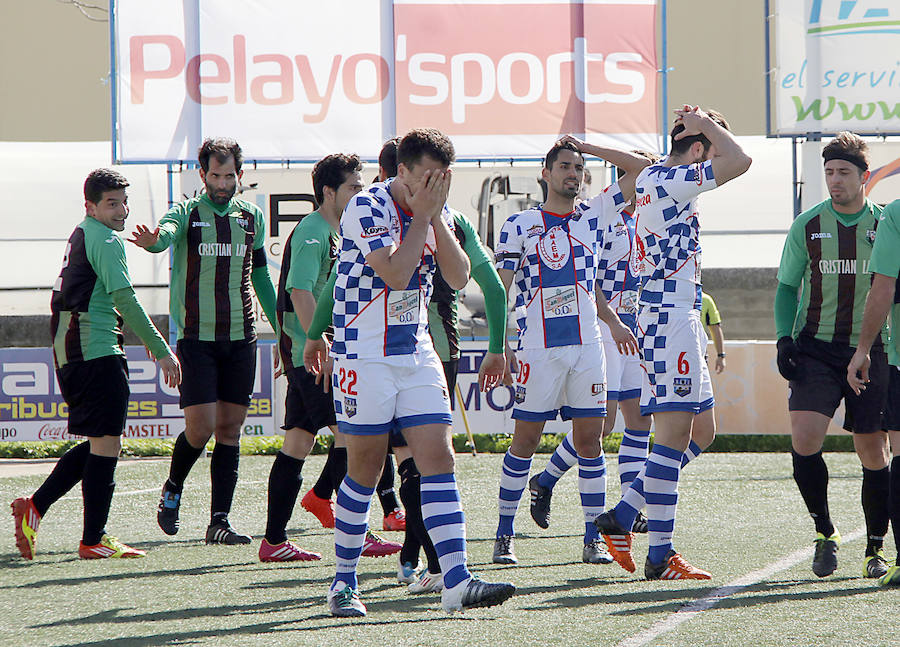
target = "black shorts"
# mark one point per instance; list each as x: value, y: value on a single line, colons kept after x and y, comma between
x: 451, y: 368
x: 823, y: 383
x: 892, y: 408
x: 306, y: 405
x: 96, y: 391
x: 216, y: 370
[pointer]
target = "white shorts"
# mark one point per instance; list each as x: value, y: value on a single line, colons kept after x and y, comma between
x: 673, y: 349
x: 624, y: 375
x: 566, y: 380
x: 378, y: 395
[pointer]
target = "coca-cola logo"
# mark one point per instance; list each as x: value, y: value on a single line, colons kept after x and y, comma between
x: 55, y: 432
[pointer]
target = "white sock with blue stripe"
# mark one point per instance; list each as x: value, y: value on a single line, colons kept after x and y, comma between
x: 693, y: 451
x: 661, y: 492
x: 513, y: 480
x: 632, y: 455
x: 446, y: 524
x: 562, y: 460
x: 592, y: 488
x: 351, y: 520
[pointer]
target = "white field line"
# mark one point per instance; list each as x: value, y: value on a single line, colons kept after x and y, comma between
x: 692, y: 609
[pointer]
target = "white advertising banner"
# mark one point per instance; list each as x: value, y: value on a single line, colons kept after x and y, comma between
x: 32, y: 406
x: 834, y: 69
x: 299, y: 79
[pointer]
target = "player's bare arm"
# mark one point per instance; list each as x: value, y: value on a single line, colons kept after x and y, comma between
x: 396, y: 264
x: 878, y: 304
x: 621, y: 334
x: 506, y: 276
x: 729, y: 160
x: 629, y: 162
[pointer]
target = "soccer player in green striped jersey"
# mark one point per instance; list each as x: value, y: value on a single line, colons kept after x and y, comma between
x: 219, y: 251
x: 884, y: 297
x: 826, y: 261
x: 92, y: 297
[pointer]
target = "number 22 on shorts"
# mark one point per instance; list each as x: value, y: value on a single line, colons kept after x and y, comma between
x: 347, y: 377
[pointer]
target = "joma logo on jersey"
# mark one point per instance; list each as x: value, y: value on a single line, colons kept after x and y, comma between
x: 200, y: 223
x: 842, y: 266
x: 820, y: 234
x: 221, y: 249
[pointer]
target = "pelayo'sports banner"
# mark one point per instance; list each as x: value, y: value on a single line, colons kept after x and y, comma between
x: 299, y: 79
x: 836, y: 67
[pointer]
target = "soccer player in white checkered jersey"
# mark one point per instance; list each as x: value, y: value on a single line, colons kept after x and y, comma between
x: 677, y: 388
x: 550, y: 252
x: 386, y: 372
x: 623, y: 371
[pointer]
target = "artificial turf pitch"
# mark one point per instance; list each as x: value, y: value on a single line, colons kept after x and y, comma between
x: 738, y: 514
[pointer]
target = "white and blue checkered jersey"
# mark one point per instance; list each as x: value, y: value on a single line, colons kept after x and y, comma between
x: 554, y: 263
x: 371, y: 319
x: 619, y: 284
x: 666, y: 246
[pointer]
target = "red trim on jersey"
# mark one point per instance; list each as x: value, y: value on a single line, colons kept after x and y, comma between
x: 366, y: 306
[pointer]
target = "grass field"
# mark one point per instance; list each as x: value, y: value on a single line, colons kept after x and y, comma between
x: 740, y: 517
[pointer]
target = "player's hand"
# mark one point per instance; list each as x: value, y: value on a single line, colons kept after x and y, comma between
x: 720, y: 365
x: 430, y: 195
x: 143, y: 237
x: 315, y: 352
x: 491, y: 372
x: 626, y: 342
x: 692, y: 118
x: 171, y: 368
x: 788, y: 358
x: 571, y: 139
x: 324, y: 376
x: 858, y: 371
x: 276, y: 362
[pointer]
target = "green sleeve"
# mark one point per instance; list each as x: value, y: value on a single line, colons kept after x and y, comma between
x: 794, y: 256
x: 472, y: 247
x: 134, y: 315
x: 324, y: 307
x: 265, y: 292
x: 886, y: 252
x: 107, y: 257
x: 306, y: 261
x: 786, y: 303
x: 494, y: 304
x: 170, y: 228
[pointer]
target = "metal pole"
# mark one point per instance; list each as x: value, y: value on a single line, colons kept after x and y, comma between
x: 665, y: 79
x: 113, y: 83
x: 795, y: 182
x: 170, y: 190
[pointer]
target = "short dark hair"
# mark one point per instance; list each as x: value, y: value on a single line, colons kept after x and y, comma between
x: 682, y: 145
x: 101, y: 180
x: 332, y: 171
x: 387, y: 158
x: 554, y: 152
x: 425, y: 141
x: 849, y: 147
x: 222, y: 148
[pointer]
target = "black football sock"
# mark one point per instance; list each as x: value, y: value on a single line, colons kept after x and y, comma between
x: 876, y: 487
x: 223, y: 471
x: 285, y: 481
x: 65, y: 475
x: 324, y: 488
x: 811, y: 475
x: 184, y: 455
x: 411, y: 494
x: 338, y: 467
x: 895, y: 504
x: 97, y: 486
x: 385, y: 487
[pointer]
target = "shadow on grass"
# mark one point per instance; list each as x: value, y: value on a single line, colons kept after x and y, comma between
x: 130, y: 575
x: 260, y: 629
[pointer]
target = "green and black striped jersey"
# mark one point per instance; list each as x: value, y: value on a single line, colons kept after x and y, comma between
x: 84, y: 323
x: 886, y: 261
x: 827, y: 255
x: 216, y: 247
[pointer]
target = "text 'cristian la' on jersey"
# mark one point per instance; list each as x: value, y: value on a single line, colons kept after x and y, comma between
x: 371, y: 319
x: 554, y: 260
x: 619, y: 284
x: 666, y: 247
